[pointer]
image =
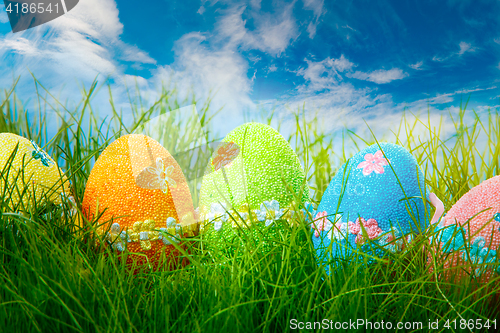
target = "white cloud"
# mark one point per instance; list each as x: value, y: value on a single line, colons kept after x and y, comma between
x: 439, y: 59
x: 324, y: 74
x: 311, y: 29
x: 70, y: 52
x: 79, y: 45
x: 380, y: 76
x: 255, y: 4
x: 317, y: 6
x: 132, y: 53
x: 438, y: 99
x: 466, y: 91
x: 442, y: 98
x: 204, y: 70
x: 21, y: 46
x: 273, y: 33
x: 327, y: 96
x: 348, y: 27
x: 465, y: 47
x: 359, y: 110
x: 417, y: 66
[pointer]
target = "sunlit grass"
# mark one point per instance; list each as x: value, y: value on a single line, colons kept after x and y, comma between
x: 53, y: 277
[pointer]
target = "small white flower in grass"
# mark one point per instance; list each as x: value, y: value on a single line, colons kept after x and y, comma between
x: 118, y: 246
x: 218, y: 225
x: 218, y: 211
x: 171, y: 222
x: 164, y: 236
x: 261, y: 214
x: 124, y: 236
x: 115, y: 228
x: 269, y: 211
x: 115, y: 238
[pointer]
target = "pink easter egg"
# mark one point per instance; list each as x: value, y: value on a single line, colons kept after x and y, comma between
x: 467, y: 238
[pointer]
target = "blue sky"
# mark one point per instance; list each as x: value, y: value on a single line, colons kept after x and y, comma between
x: 346, y: 61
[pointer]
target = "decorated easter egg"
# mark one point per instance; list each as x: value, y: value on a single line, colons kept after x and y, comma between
x: 29, y: 175
x: 254, y: 181
x: 466, y: 240
x: 142, y: 199
x: 375, y: 202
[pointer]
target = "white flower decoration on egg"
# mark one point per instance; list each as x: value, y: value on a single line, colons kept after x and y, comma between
x: 161, y: 176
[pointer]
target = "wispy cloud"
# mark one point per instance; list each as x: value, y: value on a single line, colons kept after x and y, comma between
x: 77, y: 46
x: 443, y: 98
x: 465, y: 47
x: 348, y: 27
x: 440, y: 59
x: 380, y: 76
x: 273, y: 33
x: 324, y: 74
x: 317, y: 6
x: 417, y: 66
x: 272, y: 68
x: 466, y: 91
x: 205, y: 69
x: 72, y: 51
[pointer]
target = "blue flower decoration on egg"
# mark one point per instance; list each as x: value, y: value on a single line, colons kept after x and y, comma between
x: 39, y: 154
x: 378, y: 195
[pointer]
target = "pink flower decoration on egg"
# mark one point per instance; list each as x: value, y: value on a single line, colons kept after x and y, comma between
x: 373, y: 162
x: 371, y: 227
x: 354, y: 228
x: 320, y: 223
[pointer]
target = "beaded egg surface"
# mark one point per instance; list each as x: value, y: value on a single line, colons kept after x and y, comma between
x: 260, y: 188
x: 377, y: 195
x: 30, y: 169
x: 467, y: 238
x: 143, y: 197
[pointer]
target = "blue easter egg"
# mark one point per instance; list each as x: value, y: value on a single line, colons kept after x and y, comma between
x: 375, y: 202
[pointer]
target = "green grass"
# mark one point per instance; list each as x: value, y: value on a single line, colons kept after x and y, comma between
x: 53, y: 279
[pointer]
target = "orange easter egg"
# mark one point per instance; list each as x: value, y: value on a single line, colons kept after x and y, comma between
x: 142, y: 199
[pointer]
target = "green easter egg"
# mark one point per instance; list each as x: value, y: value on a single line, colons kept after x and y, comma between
x: 261, y: 187
x: 262, y: 171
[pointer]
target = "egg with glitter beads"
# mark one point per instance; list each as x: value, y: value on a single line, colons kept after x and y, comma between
x: 142, y: 201
x: 260, y: 187
x: 373, y: 205
x: 466, y: 240
x: 29, y: 174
